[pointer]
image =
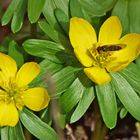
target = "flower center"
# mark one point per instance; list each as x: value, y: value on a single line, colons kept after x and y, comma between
x: 102, y: 54
x: 12, y: 93
x: 99, y: 59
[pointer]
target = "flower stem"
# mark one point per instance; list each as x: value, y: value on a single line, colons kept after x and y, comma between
x: 100, y: 130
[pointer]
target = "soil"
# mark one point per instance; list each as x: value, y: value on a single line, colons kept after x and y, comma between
x: 82, y: 130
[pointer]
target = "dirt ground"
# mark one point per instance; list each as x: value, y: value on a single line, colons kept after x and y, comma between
x: 82, y: 130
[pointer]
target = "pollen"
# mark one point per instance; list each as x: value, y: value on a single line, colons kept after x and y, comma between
x: 12, y: 93
x: 100, y: 59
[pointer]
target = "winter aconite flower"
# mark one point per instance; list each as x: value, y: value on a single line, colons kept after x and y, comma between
x: 14, y: 90
x: 108, y: 53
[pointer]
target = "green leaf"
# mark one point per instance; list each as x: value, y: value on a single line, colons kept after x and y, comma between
x: 5, y: 133
x: 50, y: 67
x: 69, y: 59
x: 121, y: 10
x: 92, y: 8
x: 75, y: 9
x: 134, y: 11
x: 43, y: 49
x: 132, y: 75
x: 64, y: 78
x: 48, y: 12
x: 3, y: 48
x: 45, y: 115
x: 128, y: 13
x: 17, y: 20
x: 83, y: 104
x: 50, y: 31
x: 9, y: 12
x: 47, y: 68
x: 63, y: 5
x: 34, y: 9
x: 14, y: 52
x: 138, y: 61
x: 37, y: 127
x: 56, y: 36
x: 97, y: 7
x: 62, y: 19
x: 71, y: 96
x: 127, y: 95
x: 16, y: 133
x: 12, y: 133
x: 107, y: 103
x: 123, y: 113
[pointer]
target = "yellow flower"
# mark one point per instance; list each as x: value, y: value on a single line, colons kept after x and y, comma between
x: 109, y: 53
x: 14, y: 91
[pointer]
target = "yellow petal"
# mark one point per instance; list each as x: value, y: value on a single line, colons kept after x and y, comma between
x: 36, y: 98
x: 110, y: 31
x: 8, y: 66
x: 3, y: 94
x: 27, y: 73
x: 8, y: 114
x: 97, y: 75
x: 123, y: 57
x: 84, y: 57
x: 81, y: 33
x: 3, y: 78
x: 113, y: 67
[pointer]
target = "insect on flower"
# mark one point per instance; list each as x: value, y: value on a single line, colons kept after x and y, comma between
x: 106, y: 48
x: 109, y: 52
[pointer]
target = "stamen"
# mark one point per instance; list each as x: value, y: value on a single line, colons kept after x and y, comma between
x: 100, y: 59
x: 12, y: 93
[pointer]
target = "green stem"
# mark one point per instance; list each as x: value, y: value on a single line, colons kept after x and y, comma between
x: 100, y: 130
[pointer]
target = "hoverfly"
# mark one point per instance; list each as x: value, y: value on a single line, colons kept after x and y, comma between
x: 106, y: 48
